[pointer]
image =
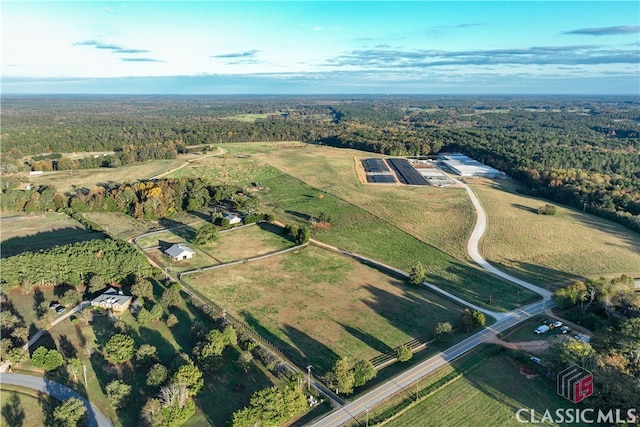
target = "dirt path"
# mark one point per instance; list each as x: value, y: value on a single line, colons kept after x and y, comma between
x: 536, y: 346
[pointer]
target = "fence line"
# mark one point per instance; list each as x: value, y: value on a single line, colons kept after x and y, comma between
x: 241, y: 261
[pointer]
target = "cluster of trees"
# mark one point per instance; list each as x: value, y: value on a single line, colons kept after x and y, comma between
x: 272, y: 406
x: 593, y: 301
x: 14, y: 333
x: 47, y: 359
x: 343, y: 378
x: 301, y: 234
x: 611, y: 308
x: 113, y: 260
x: 581, y: 152
x: 149, y: 199
x: 124, y: 156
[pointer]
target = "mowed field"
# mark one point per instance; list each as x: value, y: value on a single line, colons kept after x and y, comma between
x: 489, y: 394
x: 234, y: 244
x: 550, y: 249
x: 32, y: 232
x: 65, y: 181
x: 441, y: 217
x: 317, y: 305
x: 356, y: 229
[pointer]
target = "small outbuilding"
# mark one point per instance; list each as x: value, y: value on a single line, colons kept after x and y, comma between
x: 233, y: 219
x: 179, y: 252
x: 113, y: 299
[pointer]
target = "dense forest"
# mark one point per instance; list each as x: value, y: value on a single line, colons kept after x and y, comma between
x: 583, y: 152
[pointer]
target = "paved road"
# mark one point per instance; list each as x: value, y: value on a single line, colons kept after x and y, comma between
x: 411, y: 376
x: 474, y: 252
x: 95, y: 418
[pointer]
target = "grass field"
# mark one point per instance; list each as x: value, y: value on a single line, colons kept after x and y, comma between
x: 317, y: 305
x: 20, y: 407
x: 65, y: 181
x: 356, y: 229
x: 33, y: 232
x: 215, y: 403
x: 121, y: 225
x: 552, y: 249
x: 234, y: 244
x: 441, y: 217
x: 488, y: 394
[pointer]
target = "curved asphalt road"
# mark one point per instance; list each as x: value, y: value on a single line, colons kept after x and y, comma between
x: 94, y: 417
x: 411, y: 376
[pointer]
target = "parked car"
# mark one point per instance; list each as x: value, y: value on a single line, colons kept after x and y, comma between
x: 557, y: 324
x: 541, y: 329
x: 536, y: 360
x: 54, y: 305
x: 61, y: 309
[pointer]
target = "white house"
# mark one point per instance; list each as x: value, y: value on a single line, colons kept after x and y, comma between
x: 233, y: 219
x: 112, y: 299
x: 179, y: 252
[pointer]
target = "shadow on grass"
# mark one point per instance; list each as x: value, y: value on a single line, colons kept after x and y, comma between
x: 544, y: 277
x: 47, y: 240
x: 48, y: 405
x: 66, y: 347
x: 179, y: 229
x: 311, y: 351
x: 12, y: 411
x: 367, y: 338
x: 305, y: 349
x: 38, y: 298
x: 524, y: 208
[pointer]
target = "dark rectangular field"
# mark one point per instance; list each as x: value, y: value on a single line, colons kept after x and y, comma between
x: 407, y: 173
x: 375, y: 166
x: 381, y: 178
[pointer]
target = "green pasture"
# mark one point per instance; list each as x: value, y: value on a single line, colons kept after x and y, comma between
x: 318, y: 305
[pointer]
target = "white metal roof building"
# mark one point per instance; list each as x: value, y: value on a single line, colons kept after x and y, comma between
x: 467, y: 167
x: 179, y: 252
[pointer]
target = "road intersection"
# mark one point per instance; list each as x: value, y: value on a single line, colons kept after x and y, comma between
x: 504, y: 321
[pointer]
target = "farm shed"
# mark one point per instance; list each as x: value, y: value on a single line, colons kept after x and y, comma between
x: 179, y: 252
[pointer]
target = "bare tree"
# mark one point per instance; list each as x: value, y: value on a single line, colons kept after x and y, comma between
x: 174, y: 394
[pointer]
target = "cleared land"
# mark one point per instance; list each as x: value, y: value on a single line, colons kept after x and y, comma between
x: 361, y: 231
x: 121, y: 225
x: 317, y: 305
x: 488, y: 394
x: 441, y: 217
x: 40, y: 231
x: 65, y: 181
x: 245, y: 242
x: 551, y: 249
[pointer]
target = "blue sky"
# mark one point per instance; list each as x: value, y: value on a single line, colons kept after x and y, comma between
x: 309, y: 47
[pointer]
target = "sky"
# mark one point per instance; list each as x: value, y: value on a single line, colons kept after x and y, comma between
x: 320, y: 47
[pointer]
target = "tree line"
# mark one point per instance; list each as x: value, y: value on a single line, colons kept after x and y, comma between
x: 583, y: 152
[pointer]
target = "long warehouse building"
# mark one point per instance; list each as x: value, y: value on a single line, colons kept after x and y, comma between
x: 467, y: 167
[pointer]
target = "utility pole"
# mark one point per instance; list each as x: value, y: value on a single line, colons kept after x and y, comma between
x: 367, y: 416
x: 309, y: 377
